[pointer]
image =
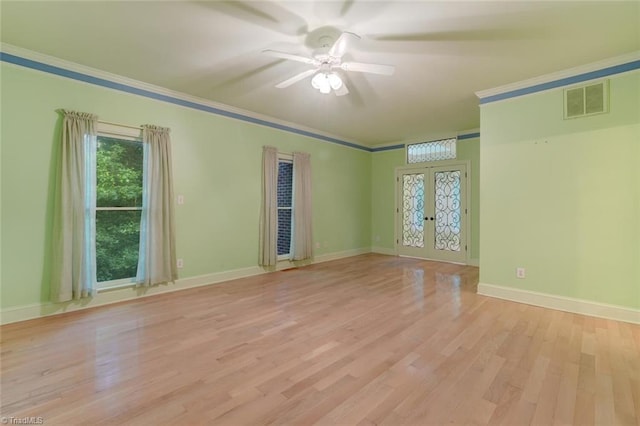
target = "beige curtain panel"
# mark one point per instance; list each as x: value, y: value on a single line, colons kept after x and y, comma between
x: 74, y: 262
x: 157, y: 257
x: 301, y: 239
x: 268, y: 255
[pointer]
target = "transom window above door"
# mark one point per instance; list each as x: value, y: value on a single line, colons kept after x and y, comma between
x: 423, y: 152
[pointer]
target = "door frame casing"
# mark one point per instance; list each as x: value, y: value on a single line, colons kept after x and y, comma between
x: 467, y: 198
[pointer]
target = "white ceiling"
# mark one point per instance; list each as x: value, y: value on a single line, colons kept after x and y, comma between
x: 443, y: 52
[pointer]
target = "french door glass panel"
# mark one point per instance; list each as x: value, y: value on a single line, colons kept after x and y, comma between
x: 447, y: 210
x: 413, y: 210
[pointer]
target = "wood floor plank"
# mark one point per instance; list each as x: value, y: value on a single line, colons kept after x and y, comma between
x: 368, y: 340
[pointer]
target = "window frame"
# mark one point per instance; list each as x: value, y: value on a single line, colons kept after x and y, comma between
x: 128, y: 133
x: 285, y: 158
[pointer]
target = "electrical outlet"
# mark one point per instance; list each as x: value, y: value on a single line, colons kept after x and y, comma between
x: 180, y: 199
x: 180, y: 263
x: 377, y: 237
x: 318, y: 245
x: 520, y: 273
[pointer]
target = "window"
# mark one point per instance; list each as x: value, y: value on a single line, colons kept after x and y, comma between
x: 431, y: 151
x: 119, y: 178
x: 285, y: 205
x: 114, y: 220
x: 286, y: 211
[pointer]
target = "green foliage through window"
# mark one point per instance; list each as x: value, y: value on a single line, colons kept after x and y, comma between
x: 119, y: 173
x: 119, y: 185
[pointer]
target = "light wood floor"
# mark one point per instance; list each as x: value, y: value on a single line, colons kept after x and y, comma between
x: 366, y: 340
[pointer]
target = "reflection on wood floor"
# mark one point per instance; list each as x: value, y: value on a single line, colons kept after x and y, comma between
x: 370, y: 339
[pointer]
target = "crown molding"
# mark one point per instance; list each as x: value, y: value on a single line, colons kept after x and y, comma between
x: 467, y: 134
x: 592, y: 71
x: 60, y: 67
x: 386, y: 147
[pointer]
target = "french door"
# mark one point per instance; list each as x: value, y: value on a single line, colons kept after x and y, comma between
x: 432, y: 212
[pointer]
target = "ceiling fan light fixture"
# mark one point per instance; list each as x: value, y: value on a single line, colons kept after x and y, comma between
x: 318, y: 80
x: 325, y: 60
x: 334, y: 81
x: 321, y: 82
x: 324, y: 82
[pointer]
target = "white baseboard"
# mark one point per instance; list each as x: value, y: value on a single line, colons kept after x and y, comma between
x: 341, y: 254
x: 106, y: 297
x: 392, y: 252
x: 561, y: 303
x: 383, y: 250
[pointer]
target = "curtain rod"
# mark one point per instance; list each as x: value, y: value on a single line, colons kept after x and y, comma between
x: 121, y: 125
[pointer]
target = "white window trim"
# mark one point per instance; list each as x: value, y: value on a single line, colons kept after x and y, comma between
x: 115, y: 284
x: 118, y: 208
x: 119, y: 131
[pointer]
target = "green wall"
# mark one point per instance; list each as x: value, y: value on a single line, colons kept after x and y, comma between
x: 561, y: 198
x: 217, y: 167
x: 383, y: 204
x: 383, y: 165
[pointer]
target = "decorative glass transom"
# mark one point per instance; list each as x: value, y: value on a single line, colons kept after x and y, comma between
x: 431, y: 151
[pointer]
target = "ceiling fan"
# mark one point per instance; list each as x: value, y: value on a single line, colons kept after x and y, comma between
x: 327, y: 63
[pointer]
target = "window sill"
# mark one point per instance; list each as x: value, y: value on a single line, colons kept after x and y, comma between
x: 115, y: 284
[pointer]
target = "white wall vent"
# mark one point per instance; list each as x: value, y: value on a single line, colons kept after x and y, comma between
x: 586, y: 100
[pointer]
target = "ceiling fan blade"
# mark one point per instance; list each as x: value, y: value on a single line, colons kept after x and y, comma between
x: 340, y: 46
x: 296, y: 78
x: 267, y: 14
x: 346, y: 6
x: 370, y: 68
x: 290, y: 56
x: 496, y: 34
x: 342, y: 90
